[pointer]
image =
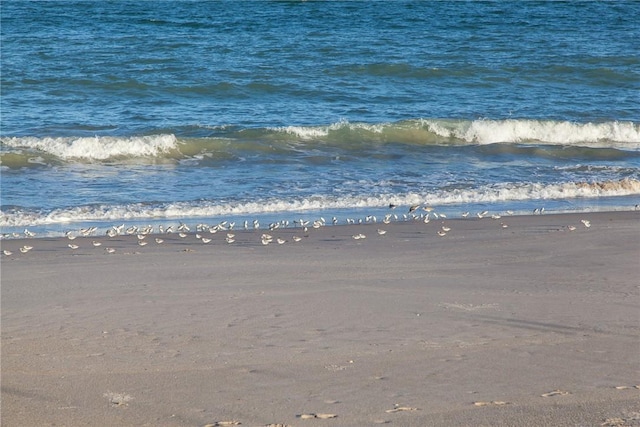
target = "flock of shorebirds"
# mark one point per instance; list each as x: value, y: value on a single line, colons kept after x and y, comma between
x: 204, y: 233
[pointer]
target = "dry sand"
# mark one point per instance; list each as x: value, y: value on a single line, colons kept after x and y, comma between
x: 530, y: 325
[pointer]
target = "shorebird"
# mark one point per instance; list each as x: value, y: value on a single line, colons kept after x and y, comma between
x: 503, y: 225
x: 87, y: 231
x: 495, y: 216
x: 426, y: 219
x: 465, y: 214
x: 230, y: 239
x: 571, y: 227
x: 441, y: 233
x: 445, y: 229
x: 382, y: 232
x: 296, y: 238
x: 29, y: 233
x: 142, y: 243
x: 205, y: 240
x: 585, y: 223
x: 392, y: 206
x: 110, y: 250
x: 182, y: 235
x: 359, y: 236
x: 7, y: 253
x: 159, y: 240
x: 230, y: 235
x: 413, y: 208
x: 281, y: 241
x: 72, y: 246
x: 71, y: 236
x: 96, y: 243
x: 25, y: 249
x: 141, y: 236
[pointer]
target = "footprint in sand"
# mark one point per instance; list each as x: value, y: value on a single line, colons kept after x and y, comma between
x: 118, y: 399
x: 555, y: 393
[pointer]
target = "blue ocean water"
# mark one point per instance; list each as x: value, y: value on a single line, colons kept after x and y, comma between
x: 147, y: 112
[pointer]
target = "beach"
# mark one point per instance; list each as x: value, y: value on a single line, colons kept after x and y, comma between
x: 512, y: 321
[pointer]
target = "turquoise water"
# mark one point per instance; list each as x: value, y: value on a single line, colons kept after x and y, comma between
x: 206, y: 111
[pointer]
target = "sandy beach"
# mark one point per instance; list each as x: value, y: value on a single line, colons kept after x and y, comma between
x: 516, y: 321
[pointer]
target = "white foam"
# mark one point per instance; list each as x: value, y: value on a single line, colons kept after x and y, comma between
x: 489, y: 194
x: 98, y: 147
x: 625, y: 135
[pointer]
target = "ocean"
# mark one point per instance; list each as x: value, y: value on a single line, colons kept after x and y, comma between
x: 194, y: 112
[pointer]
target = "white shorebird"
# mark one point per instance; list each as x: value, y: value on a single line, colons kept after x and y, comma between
x: 72, y: 246
x: 465, y: 214
x: 585, y: 223
x: 7, y: 253
x: 110, y: 250
x: 205, y: 240
x: 382, y: 232
x: 142, y: 243
x: 281, y: 241
x: 230, y: 239
x: 441, y: 233
x: 25, y: 249
x: 159, y: 240
x: 29, y: 233
x: 296, y: 238
x: 571, y: 227
x: 445, y: 228
x: 96, y: 243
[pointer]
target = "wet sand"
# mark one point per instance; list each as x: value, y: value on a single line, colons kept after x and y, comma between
x: 532, y: 324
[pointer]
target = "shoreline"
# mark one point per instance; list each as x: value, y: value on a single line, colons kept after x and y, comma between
x: 532, y: 324
x: 250, y: 236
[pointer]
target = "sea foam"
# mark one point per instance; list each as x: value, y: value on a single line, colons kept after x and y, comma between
x: 203, y: 209
x: 96, y: 148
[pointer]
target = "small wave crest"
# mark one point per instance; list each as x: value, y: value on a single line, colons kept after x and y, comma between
x: 208, y: 209
x: 622, y: 135
x: 95, y: 148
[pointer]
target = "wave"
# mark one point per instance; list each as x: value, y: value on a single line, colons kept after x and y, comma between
x: 17, y: 217
x: 230, y: 141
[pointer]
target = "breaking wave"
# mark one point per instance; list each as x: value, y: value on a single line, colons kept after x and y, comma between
x: 230, y: 141
x: 203, y: 209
